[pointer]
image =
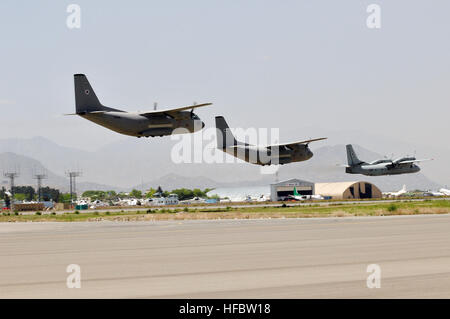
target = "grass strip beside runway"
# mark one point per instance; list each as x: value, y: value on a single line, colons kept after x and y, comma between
x: 282, y: 211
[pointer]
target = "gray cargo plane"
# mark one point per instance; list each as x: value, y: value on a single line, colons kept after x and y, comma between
x: 403, y: 165
x: 261, y: 155
x: 139, y: 124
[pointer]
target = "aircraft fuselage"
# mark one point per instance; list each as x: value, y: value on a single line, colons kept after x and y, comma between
x: 137, y: 125
x: 272, y: 155
x: 382, y: 169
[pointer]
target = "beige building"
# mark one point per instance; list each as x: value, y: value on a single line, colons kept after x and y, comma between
x: 347, y: 190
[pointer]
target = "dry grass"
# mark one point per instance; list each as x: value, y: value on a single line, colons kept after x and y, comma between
x: 249, y: 212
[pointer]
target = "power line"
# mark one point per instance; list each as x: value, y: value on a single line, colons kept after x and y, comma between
x: 12, y: 176
x: 39, y: 178
x: 72, y: 179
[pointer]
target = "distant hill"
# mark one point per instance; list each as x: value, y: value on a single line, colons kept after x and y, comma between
x: 323, y: 167
x: 27, y: 167
x: 173, y: 181
x: 133, y: 162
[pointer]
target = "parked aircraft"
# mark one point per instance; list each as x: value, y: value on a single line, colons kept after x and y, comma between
x: 297, y: 196
x: 432, y: 193
x: 403, y: 165
x: 261, y: 155
x: 148, y: 123
x: 444, y: 191
x: 396, y: 194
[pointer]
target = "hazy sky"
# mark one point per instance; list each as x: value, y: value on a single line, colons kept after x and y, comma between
x: 306, y: 67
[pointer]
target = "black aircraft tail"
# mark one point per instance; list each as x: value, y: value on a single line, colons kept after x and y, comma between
x: 352, y: 159
x: 225, y: 137
x: 85, y: 99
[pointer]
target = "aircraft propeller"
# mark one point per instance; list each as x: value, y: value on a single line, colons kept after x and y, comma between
x: 194, y: 104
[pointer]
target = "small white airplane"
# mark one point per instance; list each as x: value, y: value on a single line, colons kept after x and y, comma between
x: 262, y: 198
x: 297, y: 196
x: 396, y: 194
x: 431, y: 193
x: 444, y: 191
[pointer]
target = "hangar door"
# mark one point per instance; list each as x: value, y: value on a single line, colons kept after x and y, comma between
x: 283, y: 191
x: 366, y: 191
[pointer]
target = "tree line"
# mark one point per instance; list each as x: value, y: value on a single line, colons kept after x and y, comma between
x: 183, y: 194
x: 28, y: 193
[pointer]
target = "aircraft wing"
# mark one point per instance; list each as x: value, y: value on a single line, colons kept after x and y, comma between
x: 173, y: 111
x: 414, y: 161
x: 400, y: 163
x: 295, y: 145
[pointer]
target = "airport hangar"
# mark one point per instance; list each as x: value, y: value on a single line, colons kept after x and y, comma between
x: 339, y: 190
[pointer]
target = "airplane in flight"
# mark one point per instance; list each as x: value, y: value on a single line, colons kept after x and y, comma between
x: 403, y: 165
x: 139, y: 124
x: 261, y: 155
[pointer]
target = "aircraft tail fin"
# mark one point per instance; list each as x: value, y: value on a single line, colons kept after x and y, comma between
x: 224, y: 135
x: 352, y: 159
x: 85, y: 99
x: 295, y: 192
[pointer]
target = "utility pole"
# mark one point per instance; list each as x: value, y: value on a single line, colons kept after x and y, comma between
x: 11, y: 176
x: 39, y: 178
x: 72, y: 179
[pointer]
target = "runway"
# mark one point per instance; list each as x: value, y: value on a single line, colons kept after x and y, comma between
x: 271, y: 258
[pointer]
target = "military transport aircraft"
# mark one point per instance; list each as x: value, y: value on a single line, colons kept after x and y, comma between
x: 150, y: 123
x: 261, y: 155
x: 403, y: 165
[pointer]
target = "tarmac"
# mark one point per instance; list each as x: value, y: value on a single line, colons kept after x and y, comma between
x: 267, y: 258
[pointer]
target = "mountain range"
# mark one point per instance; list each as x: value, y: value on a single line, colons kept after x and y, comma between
x: 143, y: 163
